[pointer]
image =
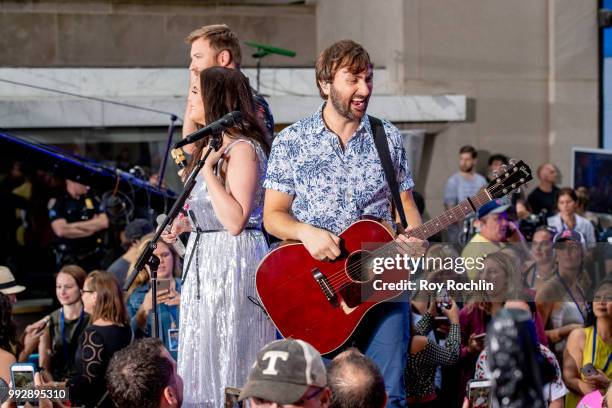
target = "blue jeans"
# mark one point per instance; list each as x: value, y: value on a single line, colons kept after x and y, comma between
x: 384, y: 339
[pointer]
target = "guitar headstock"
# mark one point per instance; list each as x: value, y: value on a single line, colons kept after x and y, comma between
x: 509, y: 178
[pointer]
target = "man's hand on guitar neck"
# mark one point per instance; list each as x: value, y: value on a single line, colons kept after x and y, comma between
x: 321, y: 244
x: 411, y: 246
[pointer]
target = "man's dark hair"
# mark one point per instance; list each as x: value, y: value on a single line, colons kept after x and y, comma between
x: 355, y: 381
x: 469, y: 149
x: 341, y: 54
x: 138, y: 374
x: 498, y: 157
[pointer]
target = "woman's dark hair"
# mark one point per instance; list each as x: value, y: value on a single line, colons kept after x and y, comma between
x: 8, y: 330
x: 550, y: 230
x: 525, y: 204
x: 568, y: 192
x: 591, y: 319
x: 225, y: 90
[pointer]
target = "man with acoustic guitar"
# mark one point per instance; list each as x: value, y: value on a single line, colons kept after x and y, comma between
x: 325, y: 173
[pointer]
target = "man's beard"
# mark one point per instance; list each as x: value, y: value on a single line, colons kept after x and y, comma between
x: 466, y: 169
x: 343, y: 110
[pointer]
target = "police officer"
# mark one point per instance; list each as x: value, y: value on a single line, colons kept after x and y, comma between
x: 77, y: 219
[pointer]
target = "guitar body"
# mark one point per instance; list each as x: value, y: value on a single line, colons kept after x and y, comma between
x: 291, y: 285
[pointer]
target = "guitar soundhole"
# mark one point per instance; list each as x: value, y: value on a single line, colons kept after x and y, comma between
x: 357, y: 266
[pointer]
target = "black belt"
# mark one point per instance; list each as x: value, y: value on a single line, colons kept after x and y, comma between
x: 199, y: 232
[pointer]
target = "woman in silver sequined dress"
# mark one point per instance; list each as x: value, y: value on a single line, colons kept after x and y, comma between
x: 221, y: 329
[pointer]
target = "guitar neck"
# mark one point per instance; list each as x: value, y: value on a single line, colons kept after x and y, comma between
x: 455, y: 214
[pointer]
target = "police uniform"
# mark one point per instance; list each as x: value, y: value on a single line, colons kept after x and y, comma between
x: 87, y: 252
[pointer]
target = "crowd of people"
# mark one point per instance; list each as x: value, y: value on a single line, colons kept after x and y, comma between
x: 316, y: 178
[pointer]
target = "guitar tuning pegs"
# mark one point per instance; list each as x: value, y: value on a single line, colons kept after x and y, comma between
x: 512, y: 162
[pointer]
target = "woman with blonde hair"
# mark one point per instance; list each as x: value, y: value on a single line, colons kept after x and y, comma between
x: 500, y: 270
x: 108, y: 333
x: 139, y: 302
x: 437, y: 256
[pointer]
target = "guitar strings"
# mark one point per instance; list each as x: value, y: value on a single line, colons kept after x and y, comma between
x: 338, y: 277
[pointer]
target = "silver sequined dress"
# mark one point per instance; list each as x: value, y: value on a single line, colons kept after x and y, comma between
x: 221, y: 330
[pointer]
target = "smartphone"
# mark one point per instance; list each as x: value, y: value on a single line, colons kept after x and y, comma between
x: 441, y: 321
x: 479, y: 393
x: 163, y: 285
x: 22, y: 376
x: 442, y: 299
x: 588, y: 370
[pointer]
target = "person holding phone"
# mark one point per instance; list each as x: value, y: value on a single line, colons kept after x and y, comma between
x: 553, y: 391
x: 61, y: 335
x: 139, y: 304
x: 22, y: 376
x: 501, y: 270
x: 426, y: 355
x: 495, y: 231
x: 38, y: 382
x: 588, y: 358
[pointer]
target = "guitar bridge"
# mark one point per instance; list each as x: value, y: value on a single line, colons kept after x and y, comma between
x: 325, y: 286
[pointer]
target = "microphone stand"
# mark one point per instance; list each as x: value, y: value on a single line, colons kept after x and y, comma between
x: 153, y: 263
x: 146, y: 257
x: 162, y: 169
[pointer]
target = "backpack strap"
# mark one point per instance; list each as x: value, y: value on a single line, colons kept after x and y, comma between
x: 382, y: 147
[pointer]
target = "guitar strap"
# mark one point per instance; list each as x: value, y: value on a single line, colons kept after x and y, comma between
x: 382, y: 147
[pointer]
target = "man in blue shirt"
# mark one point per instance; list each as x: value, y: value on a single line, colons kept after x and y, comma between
x: 461, y: 185
x: 324, y: 173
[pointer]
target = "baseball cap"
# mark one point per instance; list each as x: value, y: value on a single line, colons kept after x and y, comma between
x: 492, y: 207
x: 138, y: 228
x: 8, y: 286
x: 283, y: 371
x: 568, y: 235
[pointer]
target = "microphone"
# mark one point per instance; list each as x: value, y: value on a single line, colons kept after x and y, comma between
x: 178, y: 244
x: 214, y: 128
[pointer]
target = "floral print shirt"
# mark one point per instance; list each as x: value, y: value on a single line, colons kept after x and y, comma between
x: 334, y: 186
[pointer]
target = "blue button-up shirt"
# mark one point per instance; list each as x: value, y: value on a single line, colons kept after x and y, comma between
x: 333, y: 187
